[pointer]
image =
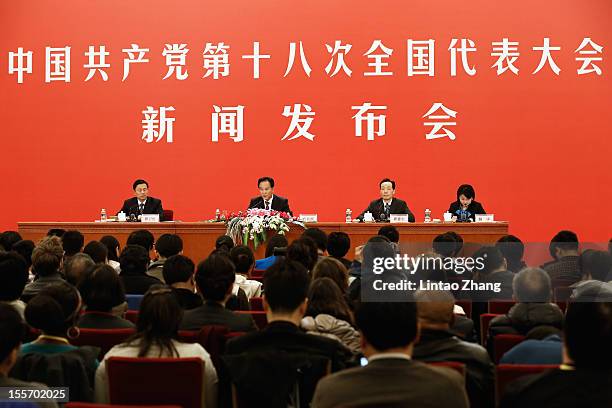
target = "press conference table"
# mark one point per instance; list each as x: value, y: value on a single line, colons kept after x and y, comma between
x: 199, y: 237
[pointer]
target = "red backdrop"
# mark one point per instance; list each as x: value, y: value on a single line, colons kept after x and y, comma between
x: 536, y: 147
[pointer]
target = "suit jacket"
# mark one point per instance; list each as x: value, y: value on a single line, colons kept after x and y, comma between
x: 392, y: 382
x: 138, y: 284
x: 377, y: 207
x: 211, y: 313
x: 278, y: 203
x: 97, y: 320
x: 474, y: 208
x: 152, y: 206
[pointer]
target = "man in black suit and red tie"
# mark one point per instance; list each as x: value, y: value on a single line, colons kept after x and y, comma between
x: 267, y: 200
x: 142, y: 203
x: 387, y: 204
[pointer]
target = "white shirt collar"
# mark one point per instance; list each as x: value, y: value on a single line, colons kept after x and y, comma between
x: 269, y: 201
x: 141, y: 202
x: 388, y: 202
x: 382, y: 356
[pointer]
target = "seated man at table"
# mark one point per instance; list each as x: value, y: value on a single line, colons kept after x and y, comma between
x: 387, y: 204
x: 142, y: 203
x: 267, y: 199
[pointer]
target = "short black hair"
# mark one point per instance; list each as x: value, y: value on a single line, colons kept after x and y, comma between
x: 25, y: 247
x: 318, y: 236
x: 101, y: 288
x: 304, y: 251
x: 387, y: 180
x: 338, y: 244
x: 286, y: 286
x: 112, y: 245
x: 13, y: 275
x: 390, y: 232
x: 596, y: 263
x: 565, y: 240
x: 243, y: 258
x: 492, y: 259
x: 266, y: 178
x: 177, y: 268
x: 97, y: 251
x: 72, y: 242
x: 215, y: 276
x: 386, y: 325
x: 512, y: 248
x: 588, y: 334
x: 134, y: 260
x: 8, y: 239
x: 466, y: 190
x: 56, y: 232
x: 445, y: 245
x: 168, y: 245
x: 224, y: 243
x: 141, y: 237
x: 138, y: 182
x: 54, y: 309
x: 275, y: 241
x: 12, y: 330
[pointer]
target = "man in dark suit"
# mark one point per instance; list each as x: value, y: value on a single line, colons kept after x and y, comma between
x: 391, y: 378
x: 268, y: 200
x: 387, y: 204
x: 215, y: 278
x: 142, y: 203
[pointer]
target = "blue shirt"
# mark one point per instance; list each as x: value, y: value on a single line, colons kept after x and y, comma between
x: 265, y: 263
x: 545, y: 351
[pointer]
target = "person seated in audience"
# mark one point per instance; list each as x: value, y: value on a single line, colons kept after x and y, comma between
x: 494, y: 271
x: 13, y: 278
x: 584, y: 379
x: 12, y: 330
x: 596, y: 269
x: 438, y: 342
x: 392, y: 378
x: 75, y: 267
x: 320, y: 238
x: 328, y: 314
x: 104, y: 299
x: 56, y: 232
x: 448, y: 246
x: 224, y: 243
x: 215, y: 281
x: 179, y: 273
x: 566, y: 261
x: 47, y: 259
x: 8, y: 239
x: 156, y: 337
x: 275, y: 241
x: 142, y: 237
x: 303, y: 250
x: 72, y: 242
x: 244, y: 261
x: 512, y: 248
x: 142, y: 203
x: 387, y: 204
x: 542, y: 345
x: 25, y: 247
x: 97, y: 251
x: 338, y: 245
x: 466, y: 207
x: 532, y: 292
x: 114, y: 249
x: 335, y: 270
x: 166, y: 246
x: 134, y: 260
x: 390, y: 232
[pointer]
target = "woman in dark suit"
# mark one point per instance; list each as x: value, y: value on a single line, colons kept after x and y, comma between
x: 465, y: 208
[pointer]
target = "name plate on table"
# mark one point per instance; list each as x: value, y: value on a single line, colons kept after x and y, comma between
x: 308, y: 217
x: 395, y: 218
x: 149, y: 218
x: 484, y: 218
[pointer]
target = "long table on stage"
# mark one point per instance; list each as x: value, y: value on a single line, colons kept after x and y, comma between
x: 199, y: 237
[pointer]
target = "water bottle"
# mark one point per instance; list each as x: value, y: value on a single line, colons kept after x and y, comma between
x: 427, y: 215
x: 102, y: 215
x: 349, y: 213
x: 217, y: 215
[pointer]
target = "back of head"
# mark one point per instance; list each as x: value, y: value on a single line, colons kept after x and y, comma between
x: 56, y: 232
x: 286, y: 286
x: 377, y: 247
x: 97, y: 251
x: 25, y: 247
x: 142, y: 237
x: 445, y: 245
x: 178, y: 268
x: 333, y: 269
x: 596, y: 264
x: 318, y: 236
x: 588, y: 334
x: 12, y: 330
x: 101, y: 289
x: 491, y: 259
x: 390, y: 232
x: 76, y: 266
x: 275, y: 241
x: 168, y: 245
x: 112, y: 245
x: 72, y: 241
x: 304, y: 251
x: 338, y: 244
x: 8, y: 239
x: 532, y: 285
x: 134, y: 260
x: 512, y: 248
x: 13, y: 276
x: 224, y: 243
x: 565, y: 241
x: 243, y: 258
x: 215, y: 277
x: 47, y: 256
x: 387, y: 325
x: 325, y: 297
x: 435, y: 306
x: 54, y: 309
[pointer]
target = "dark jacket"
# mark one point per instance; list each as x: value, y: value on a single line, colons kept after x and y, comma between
x: 566, y: 268
x: 152, y: 206
x: 32, y: 289
x: 377, y: 208
x: 474, y: 208
x: 212, y: 313
x: 156, y: 270
x: 278, y: 203
x: 99, y: 320
x: 138, y: 284
x: 187, y: 299
x: 504, y: 278
x: 441, y: 345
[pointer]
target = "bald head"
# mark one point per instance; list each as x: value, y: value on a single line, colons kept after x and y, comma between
x: 532, y: 285
x: 435, y: 307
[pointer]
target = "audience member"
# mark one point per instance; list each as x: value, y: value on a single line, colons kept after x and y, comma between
x: 320, y: 238
x: 596, y: 269
x: 97, y: 251
x: 142, y: 237
x: 47, y: 259
x: 542, y: 345
x: 72, y: 242
x: 8, y: 239
x: 512, y: 248
x: 179, y: 273
x: 166, y: 246
x: 224, y: 243
x: 332, y: 268
x: 56, y: 232
x: 566, y: 264
x: 13, y: 278
x: 275, y: 241
x: 390, y: 232
x: 303, y: 250
x: 338, y: 245
x: 244, y: 260
x: 134, y: 260
x: 25, y: 247
x: 494, y: 271
x: 75, y: 267
x: 112, y: 245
